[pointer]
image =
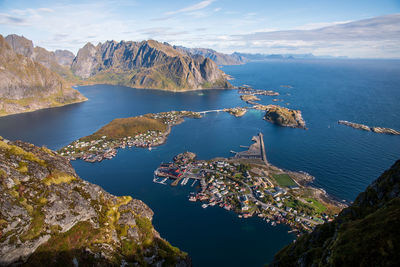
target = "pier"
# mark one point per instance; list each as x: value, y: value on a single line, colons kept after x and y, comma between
x: 255, y: 151
x: 262, y: 148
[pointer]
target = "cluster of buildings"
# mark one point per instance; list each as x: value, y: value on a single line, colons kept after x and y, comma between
x: 174, y: 117
x: 247, y: 90
x: 105, y: 148
x: 234, y: 186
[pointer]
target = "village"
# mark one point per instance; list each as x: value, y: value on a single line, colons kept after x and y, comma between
x: 247, y: 90
x: 245, y: 185
x: 95, y: 148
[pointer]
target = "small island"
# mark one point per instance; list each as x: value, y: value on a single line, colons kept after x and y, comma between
x: 249, y: 99
x: 282, y: 116
x: 250, y: 186
x: 145, y: 131
x: 237, y: 112
x: 245, y: 89
x: 368, y: 128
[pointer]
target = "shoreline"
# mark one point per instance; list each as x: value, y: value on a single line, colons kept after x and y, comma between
x: 57, y: 106
x: 253, y: 187
x: 104, y: 147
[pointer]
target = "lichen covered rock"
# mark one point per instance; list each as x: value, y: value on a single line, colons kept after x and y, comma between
x: 48, y: 215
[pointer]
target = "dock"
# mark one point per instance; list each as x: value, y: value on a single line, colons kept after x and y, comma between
x: 185, y: 181
x: 176, y: 182
x: 157, y: 180
x: 255, y: 151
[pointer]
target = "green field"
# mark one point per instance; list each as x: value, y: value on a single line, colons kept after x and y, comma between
x: 318, y: 206
x: 284, y: 180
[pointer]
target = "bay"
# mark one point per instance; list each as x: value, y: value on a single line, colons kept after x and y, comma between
x: 343, y: 160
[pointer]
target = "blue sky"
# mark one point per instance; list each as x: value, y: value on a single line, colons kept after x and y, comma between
x: 256, y: 26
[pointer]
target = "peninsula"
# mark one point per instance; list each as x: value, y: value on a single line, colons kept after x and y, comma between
x: 145, y: 131
x: 369, y: 129
x: 50, y: 216
x: 250, y: 186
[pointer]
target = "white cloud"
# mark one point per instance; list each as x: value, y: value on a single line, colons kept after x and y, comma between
x: 317, y: 25
x: 195, y: 7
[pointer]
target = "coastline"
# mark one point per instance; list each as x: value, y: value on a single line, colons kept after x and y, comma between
x: 55, y: 106
x: 250, y: 187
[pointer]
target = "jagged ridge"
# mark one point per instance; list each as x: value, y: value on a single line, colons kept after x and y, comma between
x: 147, y: 64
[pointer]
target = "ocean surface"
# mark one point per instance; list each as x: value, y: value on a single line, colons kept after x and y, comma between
x: 342, y: 159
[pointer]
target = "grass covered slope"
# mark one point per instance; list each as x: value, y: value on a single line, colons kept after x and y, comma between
x: 49, y: 216
x: 123, y: 127
x: 365, y: 234
x: 26, y: 85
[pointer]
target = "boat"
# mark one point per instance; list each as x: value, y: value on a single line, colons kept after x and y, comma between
x: 204, y: 206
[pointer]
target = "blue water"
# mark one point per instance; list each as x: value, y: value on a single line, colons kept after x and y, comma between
x: 343, y: 160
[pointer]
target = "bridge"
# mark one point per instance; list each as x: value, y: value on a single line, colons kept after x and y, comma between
x: 209, y: 111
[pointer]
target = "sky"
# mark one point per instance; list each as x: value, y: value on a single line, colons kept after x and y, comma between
x: 353, y: 28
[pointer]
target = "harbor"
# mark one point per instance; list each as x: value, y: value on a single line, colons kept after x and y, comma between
x: 248, y: 185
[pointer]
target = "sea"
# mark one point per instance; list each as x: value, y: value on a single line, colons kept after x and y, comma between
x: 343, y: 160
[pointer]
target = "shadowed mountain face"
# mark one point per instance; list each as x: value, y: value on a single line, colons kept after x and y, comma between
x: 147, y: 64
x: 51, y: 217
x: 218, y: 58
x: 365, y: 234
x: 25, y: 84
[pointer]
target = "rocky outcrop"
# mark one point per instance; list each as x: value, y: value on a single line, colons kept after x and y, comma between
x: 369, y: 129
x: 20, y: 45
x: 364, y: 234
x: 385, y: 130
x: 147, y: 64
x: 49, y: 216
x: 218, y: 58
x: 26, y: 85
x: 283, y: 116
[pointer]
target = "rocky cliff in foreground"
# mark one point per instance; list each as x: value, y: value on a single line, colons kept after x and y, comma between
x: 26, y: 85
x: 147, y: 64
x: 365, y: 234
x: 49, y: 217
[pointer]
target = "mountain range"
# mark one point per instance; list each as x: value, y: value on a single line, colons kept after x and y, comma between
x: 147, y: 64
x: 26, y: 84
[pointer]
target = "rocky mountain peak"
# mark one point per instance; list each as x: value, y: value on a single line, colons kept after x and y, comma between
x: 147, y: 64
x: 20, y: 45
